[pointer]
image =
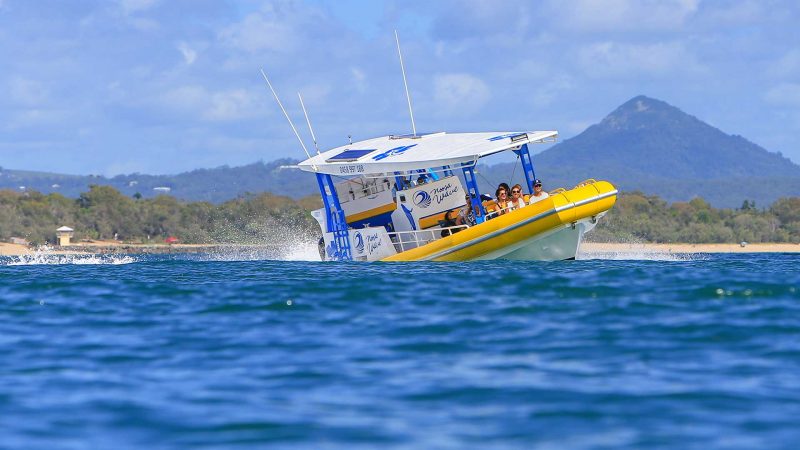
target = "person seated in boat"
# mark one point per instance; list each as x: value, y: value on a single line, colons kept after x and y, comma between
x: 466, y: 216
x: 449, y: 221
x: 502, y: 200
x: 505, y: 186
x: 517, y: 201
x: 538, y: 193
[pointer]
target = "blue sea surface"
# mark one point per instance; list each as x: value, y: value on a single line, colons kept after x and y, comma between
x: 194, y: 352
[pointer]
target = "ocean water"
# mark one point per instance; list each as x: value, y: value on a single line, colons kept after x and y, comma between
x: 626, y: 351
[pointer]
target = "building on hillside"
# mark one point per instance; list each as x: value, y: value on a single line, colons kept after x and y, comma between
x: 64, y: 235
x: 162, y: 189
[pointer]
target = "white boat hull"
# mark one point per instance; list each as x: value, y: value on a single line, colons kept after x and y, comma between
x: 555, y: 245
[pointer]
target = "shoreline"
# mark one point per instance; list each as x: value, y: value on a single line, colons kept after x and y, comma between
x: 619, y: 247
x: 119, y: 248
x: 107, y: 247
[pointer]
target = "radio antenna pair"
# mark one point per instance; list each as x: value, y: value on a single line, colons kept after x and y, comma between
x: 308, y: 121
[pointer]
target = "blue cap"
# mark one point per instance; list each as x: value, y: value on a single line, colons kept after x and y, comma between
x: 537, y: 182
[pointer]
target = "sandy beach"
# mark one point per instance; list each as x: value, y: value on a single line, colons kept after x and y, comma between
x: 592, y: 247
x: 14, y: 249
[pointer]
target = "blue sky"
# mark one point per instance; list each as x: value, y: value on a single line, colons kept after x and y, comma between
x: 163, y: 86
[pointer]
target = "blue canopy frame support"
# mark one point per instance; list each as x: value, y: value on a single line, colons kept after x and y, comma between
x: 399, y: 181
x: 527, y: 166
x: 335, y: 220
x: 475, y: 195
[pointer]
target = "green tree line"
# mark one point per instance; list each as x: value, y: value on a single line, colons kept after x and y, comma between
x: 104, y: 213
x: 648, y: 218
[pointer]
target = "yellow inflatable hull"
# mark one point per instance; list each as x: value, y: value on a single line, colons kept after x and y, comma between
x: 509, y: 231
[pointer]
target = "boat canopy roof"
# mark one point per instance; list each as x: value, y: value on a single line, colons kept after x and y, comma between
x: 406, y: 153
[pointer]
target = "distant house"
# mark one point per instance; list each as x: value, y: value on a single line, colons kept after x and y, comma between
x: 19, y: 241
x: 162, y: 189
x: 55, y: 186
x: 132, y: 183
x: 64, y: 235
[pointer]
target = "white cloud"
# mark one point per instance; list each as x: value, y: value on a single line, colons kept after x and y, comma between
x: 787, y: 66
x: 134, y: 6
x: 625, y: 15
x: 226, y: 105
x: 261, y: 31
x: 142, y: 24
x: 360, y: 78
x: 460, y: 93
x: 734, y: 13
x: 189, y: 55
x: 230, y: 105
x: 784, y: 94
x: 615, y: 59
x: 546, y: 93
x: 27, y: 92
x: 578, y: 126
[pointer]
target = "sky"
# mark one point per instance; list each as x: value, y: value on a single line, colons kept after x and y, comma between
x: 164, y: 86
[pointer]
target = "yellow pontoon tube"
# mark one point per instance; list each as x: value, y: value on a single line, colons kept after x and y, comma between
x: 549, y: 229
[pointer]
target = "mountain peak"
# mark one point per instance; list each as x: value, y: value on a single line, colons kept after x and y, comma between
x: 642, y: 112
x: 650, y: 145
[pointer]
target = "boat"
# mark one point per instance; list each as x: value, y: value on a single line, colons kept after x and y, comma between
x: 396, y: 191
x: 398, y: 195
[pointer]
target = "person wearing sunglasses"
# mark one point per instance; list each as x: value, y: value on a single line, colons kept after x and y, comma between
x: 503, y: 204
x: 538, y: 194
x: 517, y: 201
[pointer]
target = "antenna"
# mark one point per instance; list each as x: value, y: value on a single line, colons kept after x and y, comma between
x: 405, y: 83
x: 313, y: 138
x: 285, y: 114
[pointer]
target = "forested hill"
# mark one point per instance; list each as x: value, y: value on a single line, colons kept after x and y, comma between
x: 645, y: 145
x: 214, y: 185
x: 651, y: 146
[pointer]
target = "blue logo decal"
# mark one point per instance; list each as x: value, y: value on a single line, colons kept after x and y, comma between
x: 409, y: 216
x: 395, y: 151
x: 359, y: 242
x: 422, y: 199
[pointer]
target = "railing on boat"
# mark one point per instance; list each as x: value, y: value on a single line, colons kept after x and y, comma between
x: 406, y: 240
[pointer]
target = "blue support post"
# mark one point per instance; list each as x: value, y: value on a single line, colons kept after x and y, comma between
x: 335, y: 219
x: 475, y: 195
x: 527, y: 166
x: 399, y: 181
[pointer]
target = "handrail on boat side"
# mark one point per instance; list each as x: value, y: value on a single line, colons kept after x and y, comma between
x: 585, y: 182
x: 420, y: 237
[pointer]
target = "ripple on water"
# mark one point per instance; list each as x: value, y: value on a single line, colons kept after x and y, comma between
x: 179, y: 351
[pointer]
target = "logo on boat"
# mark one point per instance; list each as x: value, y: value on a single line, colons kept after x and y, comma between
x: 442, y: 192
x: 374, y: 241
x: 422, y: 199
x: 359, y: 242
x: 392, y: 152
